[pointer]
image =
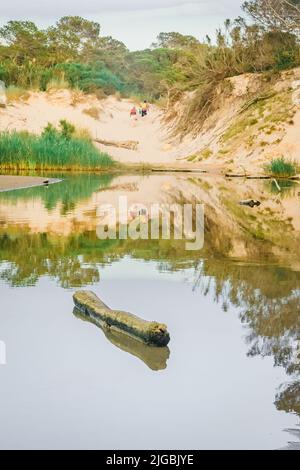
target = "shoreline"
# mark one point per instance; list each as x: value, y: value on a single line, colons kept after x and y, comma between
x: 12, y: 182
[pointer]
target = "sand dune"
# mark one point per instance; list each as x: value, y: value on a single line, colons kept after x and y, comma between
x: 273, y: 134
x: 114, y: 123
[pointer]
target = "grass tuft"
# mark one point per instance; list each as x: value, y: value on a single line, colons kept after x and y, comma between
x: 14, y: 93
x: 93, y: 112
x: 57, y: 84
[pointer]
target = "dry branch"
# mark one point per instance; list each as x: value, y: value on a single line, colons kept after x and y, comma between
x: 126, y: 144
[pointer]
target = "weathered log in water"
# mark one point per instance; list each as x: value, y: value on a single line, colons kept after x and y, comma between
x: 149, y: 332
x: 154, y: 358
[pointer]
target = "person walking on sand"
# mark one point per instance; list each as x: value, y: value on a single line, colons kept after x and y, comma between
x: 145, y: 108
x: 133, y: 112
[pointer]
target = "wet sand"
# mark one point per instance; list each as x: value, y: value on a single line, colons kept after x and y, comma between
x: 8, y: 183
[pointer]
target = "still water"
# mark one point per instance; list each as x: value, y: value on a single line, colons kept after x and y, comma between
x: 230, y: 376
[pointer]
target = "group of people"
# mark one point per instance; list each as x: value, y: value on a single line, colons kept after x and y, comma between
x: 143, y: 110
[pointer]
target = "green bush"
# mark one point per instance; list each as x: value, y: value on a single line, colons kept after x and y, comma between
x: 90, y: 77
x: 281, y: 167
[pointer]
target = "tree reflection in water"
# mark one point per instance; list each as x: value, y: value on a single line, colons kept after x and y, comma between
x: 288, y: 400
x: 268, y: 299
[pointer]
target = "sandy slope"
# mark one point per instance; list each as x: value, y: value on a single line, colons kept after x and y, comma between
x: 114, y: 123
x: 241, y: 137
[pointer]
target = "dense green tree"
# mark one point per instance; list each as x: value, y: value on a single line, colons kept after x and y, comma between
x: 71, y: 36
x: 23, y: 40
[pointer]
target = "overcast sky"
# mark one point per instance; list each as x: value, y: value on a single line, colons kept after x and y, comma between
x: 135, y: 22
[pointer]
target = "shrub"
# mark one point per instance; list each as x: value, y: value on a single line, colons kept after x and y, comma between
x: 90, y: 77
x: 281, y: 167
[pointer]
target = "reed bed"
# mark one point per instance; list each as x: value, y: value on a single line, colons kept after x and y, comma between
x: 50, y: 151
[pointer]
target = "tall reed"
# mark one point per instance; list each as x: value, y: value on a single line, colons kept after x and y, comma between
x: 50, y: 151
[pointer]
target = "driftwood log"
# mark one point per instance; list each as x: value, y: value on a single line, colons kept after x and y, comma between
x: 152, y: 333
x: 154, y: 358
x: 177, y: 170
x: 248, y: 177
x: 236, y: 175
x: 126, y: 144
